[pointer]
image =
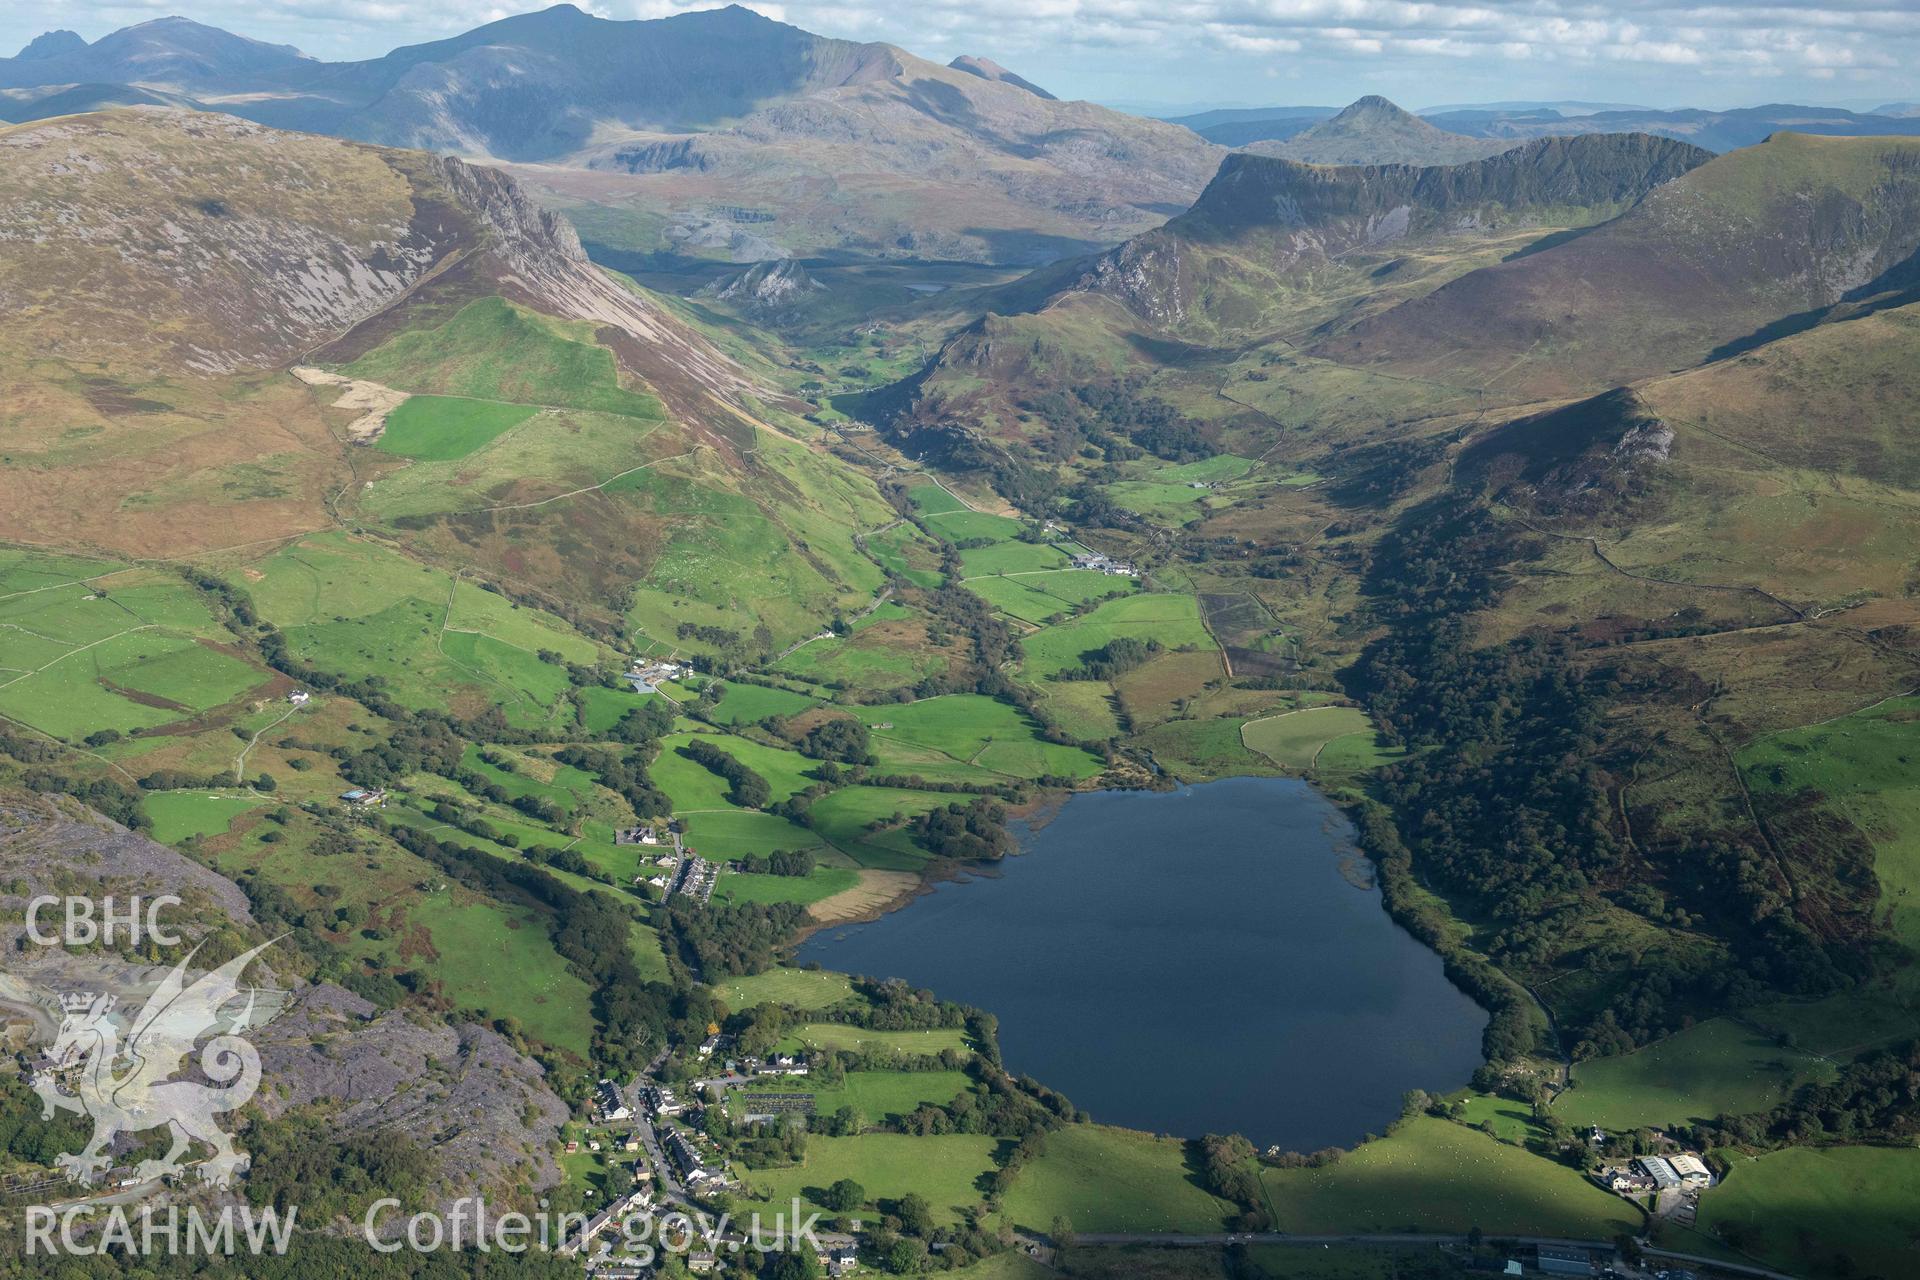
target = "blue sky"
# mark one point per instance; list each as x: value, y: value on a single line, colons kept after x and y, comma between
x: 1253, y: 52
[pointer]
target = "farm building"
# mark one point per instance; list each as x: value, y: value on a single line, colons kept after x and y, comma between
x: 647, y: 677
x: 1691, y: 1170
x: 1555, y: 1260
x: 1658, y: 1168
x: 1099, y: 563
x: 365, y: 797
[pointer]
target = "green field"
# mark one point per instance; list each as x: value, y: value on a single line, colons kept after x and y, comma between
x: 1037, y: 597
x: 503, y: 963
x: 1836, y: 1211
x: 1012, y: 557
x: 1715, y: 1068
x: 824, y: 882
x: 970, y: 729
x: 126, y: 650
x: 139, y: 679
x: 1302, y: 739
x: 875, y: 1095
x: 933, y: 500
x: 1173, y: 620
x: 1082, y: 709
x: 1103, y: 1179
x: 751, y: 703
x: 838, y: 1035
x: 33, y: 571
x: 1167, y: 493
x: 356, y: 609
x: 801, y: 988
x: 1435, y: 1175
x: 964, y: 526
x: 602, y: 708
x: 494, y: 350
x: 570, y: 788
x: 843, y: 818
x: 442, y: 428
x: 905, y: 551
x: 862, y: 660
x: 1202, y: 750
x: 944, y: 1169
x: 735, y: 833
x: 694, y: 787
x: 177, y: 815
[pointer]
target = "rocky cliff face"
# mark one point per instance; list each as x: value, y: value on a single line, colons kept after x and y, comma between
x: 1283, y: 216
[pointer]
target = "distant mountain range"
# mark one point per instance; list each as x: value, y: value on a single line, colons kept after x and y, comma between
x: 1714, y: 130
x: 720, y: 132
x: 724, y: 134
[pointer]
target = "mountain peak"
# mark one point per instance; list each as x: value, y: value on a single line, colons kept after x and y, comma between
x: 988, y: 69
x: 52, y: 44
x: 1374, y: 109
x: 1373, y: 130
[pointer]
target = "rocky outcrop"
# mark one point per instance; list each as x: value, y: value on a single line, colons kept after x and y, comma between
x: 482, y: 1108
x: 463, y: 1092
x: 767, y: 286
x: 1585, y: 461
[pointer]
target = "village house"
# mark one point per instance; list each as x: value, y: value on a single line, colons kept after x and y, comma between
x: 637, y: 835
x: 1625, y: 1182
x: 837, y: 1258
x: 612, y: 1105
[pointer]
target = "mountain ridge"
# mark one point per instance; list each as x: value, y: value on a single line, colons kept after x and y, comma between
x: 1287, y: 216
x: 1737, y: 247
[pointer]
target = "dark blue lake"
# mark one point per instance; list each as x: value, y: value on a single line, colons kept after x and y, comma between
x: 1212, y: 959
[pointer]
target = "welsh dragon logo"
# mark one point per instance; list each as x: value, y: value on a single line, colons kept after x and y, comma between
x: 128, y: 1086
